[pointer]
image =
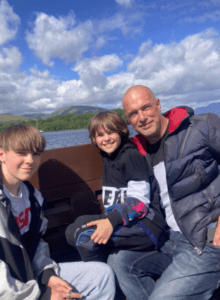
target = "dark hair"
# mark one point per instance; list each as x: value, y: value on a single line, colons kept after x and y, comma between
x: 22, y: 137
x: 108, y: 121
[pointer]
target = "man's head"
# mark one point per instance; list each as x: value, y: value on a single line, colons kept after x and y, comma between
x: 143, y: 111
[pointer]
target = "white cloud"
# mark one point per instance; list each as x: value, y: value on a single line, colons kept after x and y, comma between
x: 20, y: 92
x: 59, y: 38
x: 124, y: 2
x: 107, y: 63
x: 65, y: 39
x: 10, y: 58
x: 209, y: 16
x: 178, y: 73
x: 181, y: 71
x: 91, y: 71
x: 127, y: 23
x: 43, y: 102
x: 9, y: 22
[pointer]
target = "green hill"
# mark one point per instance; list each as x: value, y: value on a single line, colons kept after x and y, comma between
x: 75, y: 110
x: 7, y: 118
x: 62, y: 119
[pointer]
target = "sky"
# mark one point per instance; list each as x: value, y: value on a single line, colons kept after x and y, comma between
x: 56, y: 54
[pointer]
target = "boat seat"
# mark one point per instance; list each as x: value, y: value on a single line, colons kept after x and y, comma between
x: 70, y: 179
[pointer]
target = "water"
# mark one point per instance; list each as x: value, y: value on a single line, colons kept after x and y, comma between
x: 59, y: 139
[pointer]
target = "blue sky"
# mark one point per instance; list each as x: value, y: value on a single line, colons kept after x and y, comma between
x: 56, y: 54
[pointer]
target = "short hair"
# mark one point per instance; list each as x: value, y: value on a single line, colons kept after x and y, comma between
x: 108, y: 121
x: 22, y: 137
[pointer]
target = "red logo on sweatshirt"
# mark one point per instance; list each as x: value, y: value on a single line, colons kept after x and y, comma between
x: 23, y: 219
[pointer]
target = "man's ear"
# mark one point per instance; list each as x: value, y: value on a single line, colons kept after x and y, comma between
x: 158, y: 104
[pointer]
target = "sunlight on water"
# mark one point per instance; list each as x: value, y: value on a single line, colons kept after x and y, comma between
x: 58, y: 139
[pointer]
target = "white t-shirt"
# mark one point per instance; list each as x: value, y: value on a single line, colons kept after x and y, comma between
x: 20, y: 207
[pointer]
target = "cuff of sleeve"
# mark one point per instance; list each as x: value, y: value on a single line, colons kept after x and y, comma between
x: 115, y: 218
x: 45, y: 292
x: 45, y: 276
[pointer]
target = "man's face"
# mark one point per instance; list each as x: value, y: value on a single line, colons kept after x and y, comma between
x: 143, y: 113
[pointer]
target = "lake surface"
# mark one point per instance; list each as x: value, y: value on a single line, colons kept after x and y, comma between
x: 59, y: 139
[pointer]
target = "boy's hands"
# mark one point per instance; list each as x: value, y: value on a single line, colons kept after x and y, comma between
x: 60, y: 289
x: 103, y: 231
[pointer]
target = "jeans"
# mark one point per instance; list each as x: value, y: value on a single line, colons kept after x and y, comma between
x: 94, y: 280
x: 190, y: 275
x: 136, y: 271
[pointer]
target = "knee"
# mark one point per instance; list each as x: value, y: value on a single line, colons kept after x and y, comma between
x: 119, y: 262
x: 104, y: 272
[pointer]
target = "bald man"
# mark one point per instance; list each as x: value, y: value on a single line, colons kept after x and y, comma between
x: 184, y: 150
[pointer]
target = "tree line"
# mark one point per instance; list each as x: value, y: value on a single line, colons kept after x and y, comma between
x: 66, y: 122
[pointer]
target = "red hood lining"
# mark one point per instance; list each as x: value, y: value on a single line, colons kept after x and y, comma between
x: 175, y: 116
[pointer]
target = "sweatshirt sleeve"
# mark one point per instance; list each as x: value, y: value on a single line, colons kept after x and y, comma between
x: 12, y: 288
x: 137, y: 201
x: 124, y: 213
x: 134, y: 170
x: 44, y: 267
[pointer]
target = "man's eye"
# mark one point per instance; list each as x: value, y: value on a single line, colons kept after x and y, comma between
x: 146, y: 107
x: 132, y: 115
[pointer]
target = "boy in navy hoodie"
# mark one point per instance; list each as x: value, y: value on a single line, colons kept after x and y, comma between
x: 133, y: 219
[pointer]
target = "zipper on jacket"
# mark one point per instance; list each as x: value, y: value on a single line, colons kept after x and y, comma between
x: 198, y: 250
x: 184, y: 142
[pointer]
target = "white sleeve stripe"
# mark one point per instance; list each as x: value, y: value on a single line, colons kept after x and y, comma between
x: 139, y: 190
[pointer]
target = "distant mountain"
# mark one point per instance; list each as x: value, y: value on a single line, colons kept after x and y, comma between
x: 8, y: 118
x: 75, y: 110
x: 36, y: 115
x: 213, y: 107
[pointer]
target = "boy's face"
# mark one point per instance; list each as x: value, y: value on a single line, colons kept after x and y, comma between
x: 18, y: 166
x: 107, y: 141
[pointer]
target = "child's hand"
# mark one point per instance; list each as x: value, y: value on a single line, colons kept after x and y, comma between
x: 103, y: 231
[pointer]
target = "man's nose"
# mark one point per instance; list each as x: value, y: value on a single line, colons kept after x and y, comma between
x: 142, y: 116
